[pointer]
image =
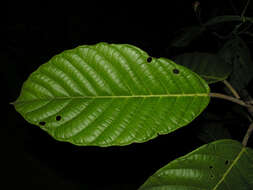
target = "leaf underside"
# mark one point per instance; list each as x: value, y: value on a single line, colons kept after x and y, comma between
x: 236, y: 53
x: 220, y: 165
x: 186, y: 35
x: 223, y: 19
x: 209, y: 66
x: 213, y: 130
x: 110, y: 94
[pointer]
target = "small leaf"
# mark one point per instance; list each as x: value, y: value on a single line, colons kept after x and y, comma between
x: 111, y: 94
x: 236, y: 53
x: 187, y: 35
x: 209, y: 66
x: 223, y: 164
x: 227, y: 18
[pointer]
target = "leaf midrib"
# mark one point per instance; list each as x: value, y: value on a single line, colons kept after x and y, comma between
x: 112, y: 97
x: 229, y: 168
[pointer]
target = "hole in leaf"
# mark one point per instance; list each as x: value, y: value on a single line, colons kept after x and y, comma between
x: 58, y: 118
x: 211, y: 167
x: 212, y: 176
x: 42, y: 123
x: 226, y: 162
x: 175, y: 71
x: 149, y: 59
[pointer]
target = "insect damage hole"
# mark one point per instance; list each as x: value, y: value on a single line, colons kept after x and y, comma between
x: 58, y: 118
x: 149, y: 59
x: 226, y: 162
x: 175, y: 71
x: 42, y: 123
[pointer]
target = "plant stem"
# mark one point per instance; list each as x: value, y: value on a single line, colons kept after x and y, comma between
x: 249, y: 102
x: 242, y: 103
x: 245, y: 8
x: 230, y: 87
x: 247, y: 135
x: 231, y: 99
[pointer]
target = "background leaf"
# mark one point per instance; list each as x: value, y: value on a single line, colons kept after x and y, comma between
x: 211, y: 131
x: 111, y: 95
x: 236, y: 53
x: 223, y: 164
x: 226, y: 18
x: 209, y: 66
x: 186, y: 35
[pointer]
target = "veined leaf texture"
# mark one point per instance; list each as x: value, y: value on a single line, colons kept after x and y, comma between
x: 220, y: 165
x: 111, y: 94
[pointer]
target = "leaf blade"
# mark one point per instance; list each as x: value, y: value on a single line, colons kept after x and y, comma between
x: 236, y: 53
x: 187, y: 35
x: 209, y: 66
x: 212, y: 166
x: 106, y: 94
x: 227, y: 18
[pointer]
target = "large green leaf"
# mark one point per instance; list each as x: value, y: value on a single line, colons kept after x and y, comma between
x: 109, y: 94
x: 209, y: 66
x: 220, y: 165
x: 236, y: 53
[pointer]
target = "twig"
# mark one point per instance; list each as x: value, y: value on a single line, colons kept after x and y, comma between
x: 249, y: 102
x: 251, y: 120
x: 231, y: 99
x: 247, y: 135
x: 242, y: 103
x: 245, y: 28
x: 230, y: 87
x: 245, y: 8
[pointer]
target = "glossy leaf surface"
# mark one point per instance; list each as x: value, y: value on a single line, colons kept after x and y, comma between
x: 209, y: 66
x: 111, y: 94
x: 220, y: 165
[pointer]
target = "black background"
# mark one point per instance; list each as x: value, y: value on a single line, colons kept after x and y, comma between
x: 31, y: 33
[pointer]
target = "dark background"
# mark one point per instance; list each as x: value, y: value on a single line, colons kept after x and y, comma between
x: 31, y: 33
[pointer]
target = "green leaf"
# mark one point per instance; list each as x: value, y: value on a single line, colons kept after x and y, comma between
x: 187, y: 35
x: 213, y: 130
x: 209, y: 66
x: 111, y: 94
x: 220, y: 165
x: 236, y: 53
x: 227, y: 18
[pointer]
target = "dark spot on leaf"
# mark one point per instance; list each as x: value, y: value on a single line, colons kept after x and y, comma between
x: 149, y: 59
x: 175, y: 71
x: 42, y: 123
x: 212, y: 176
x: 58, y: 118
x: 210, y: 167
x: 226, y: 162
